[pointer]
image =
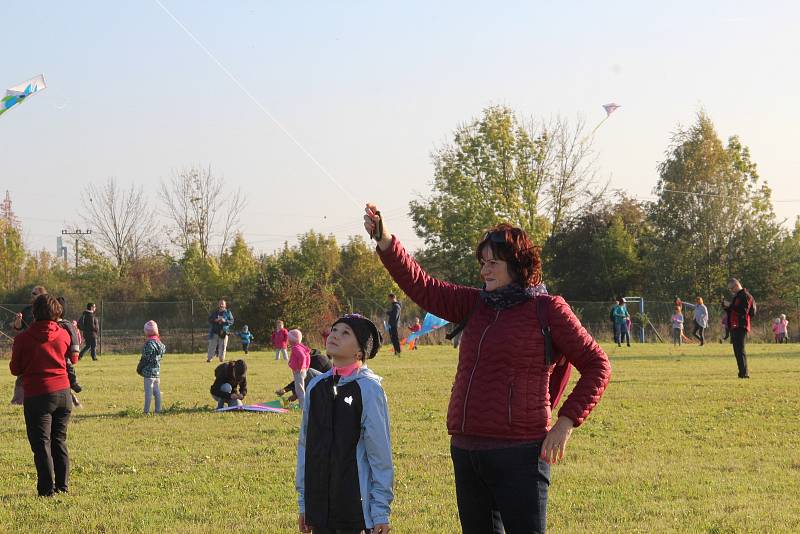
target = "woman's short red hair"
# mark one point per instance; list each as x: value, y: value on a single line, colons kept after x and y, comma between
x: 512, y: 245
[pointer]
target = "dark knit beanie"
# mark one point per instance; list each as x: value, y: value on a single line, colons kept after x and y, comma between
x: 367, y: 335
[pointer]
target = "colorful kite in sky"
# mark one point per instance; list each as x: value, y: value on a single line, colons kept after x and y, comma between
x: 17, y: 94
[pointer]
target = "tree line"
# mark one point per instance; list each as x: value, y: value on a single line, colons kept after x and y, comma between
x: 712, y: 218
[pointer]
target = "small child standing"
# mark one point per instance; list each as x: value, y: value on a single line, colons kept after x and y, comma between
x: 345, y: 432
x: 280, y: 339
x: 416, y: 327
x: 149, y: 366
x: 299, y: 362
x: 677, y: 326
x: 247, y: 337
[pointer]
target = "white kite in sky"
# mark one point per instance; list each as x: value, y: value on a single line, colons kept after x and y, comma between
x: 17, y: 94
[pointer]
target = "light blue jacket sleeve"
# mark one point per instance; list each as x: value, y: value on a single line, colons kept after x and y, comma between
x: 377, y: 443
x: 300, y: 473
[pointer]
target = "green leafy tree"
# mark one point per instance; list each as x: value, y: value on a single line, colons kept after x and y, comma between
x: 487, y: 175
x: 713, y: 217
x: 12, y: 257
x: 363, y: 280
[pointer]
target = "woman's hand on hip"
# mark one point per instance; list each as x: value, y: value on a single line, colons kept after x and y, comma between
x: 371, y: 219
x: 381, y: 529
x: 555, y: 442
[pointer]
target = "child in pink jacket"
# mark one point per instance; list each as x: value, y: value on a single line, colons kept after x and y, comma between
x: 299, y: 362
x: 280, y: 337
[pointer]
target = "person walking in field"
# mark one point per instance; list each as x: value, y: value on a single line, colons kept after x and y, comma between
x: 220, y: 322
x: 514, y: 335
x: 90, y: 328
x: 700, y: 321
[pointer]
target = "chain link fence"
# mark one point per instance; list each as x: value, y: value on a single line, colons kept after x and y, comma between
x: 184, y: 324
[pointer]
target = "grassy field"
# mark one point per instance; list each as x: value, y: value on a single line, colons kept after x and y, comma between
x: 678, y: 444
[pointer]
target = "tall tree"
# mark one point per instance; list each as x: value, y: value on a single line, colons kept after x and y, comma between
x: 122, y: 223
x: 498, y: 168
x: 12, y: 256
x: 200, y: 209
x: 713, y: 213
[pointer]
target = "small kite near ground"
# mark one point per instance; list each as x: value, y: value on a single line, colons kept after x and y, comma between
x: 260, y: 407
x: 17, y: 94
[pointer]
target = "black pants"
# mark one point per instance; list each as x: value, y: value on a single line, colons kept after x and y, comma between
x: 513, y: 481
x: 394, y: 334
x: 698, y: 333
x: 91, y: 344
x: 46, y: 419
x: 738, y: 339
x: 324, y: 530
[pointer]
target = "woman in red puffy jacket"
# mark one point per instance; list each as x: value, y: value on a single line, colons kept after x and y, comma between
x: 502, y: 442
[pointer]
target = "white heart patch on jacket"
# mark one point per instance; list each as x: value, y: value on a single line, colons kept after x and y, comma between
x: 349, y: 400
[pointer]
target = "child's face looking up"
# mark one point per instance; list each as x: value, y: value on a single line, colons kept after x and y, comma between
x: 342, y: 345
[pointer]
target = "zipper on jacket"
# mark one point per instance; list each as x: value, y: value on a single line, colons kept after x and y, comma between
x: 472, y: 374
x: 510, y: 398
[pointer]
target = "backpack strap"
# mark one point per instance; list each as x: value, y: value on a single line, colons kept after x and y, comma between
x: 544, y: 322
x: 463, y: 324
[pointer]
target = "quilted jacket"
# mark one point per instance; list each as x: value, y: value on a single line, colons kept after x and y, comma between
x: 501, y: 384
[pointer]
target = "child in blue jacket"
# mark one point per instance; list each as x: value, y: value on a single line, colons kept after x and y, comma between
x: 149, y: 366
x: 247, y: 337
x: 345, y: 477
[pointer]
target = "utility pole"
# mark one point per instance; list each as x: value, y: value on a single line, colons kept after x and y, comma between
x: 77, y: 233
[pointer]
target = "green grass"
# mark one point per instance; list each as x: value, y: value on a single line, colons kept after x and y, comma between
x: 678, y: 444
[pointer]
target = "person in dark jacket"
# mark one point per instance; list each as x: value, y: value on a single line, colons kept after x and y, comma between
x: 39, y: 355
x: 230, y: 383
x: 499, y: 413
x: 90, y: 328
x: 344, y: 472
x: 740, y: 310
x: 393, y: 320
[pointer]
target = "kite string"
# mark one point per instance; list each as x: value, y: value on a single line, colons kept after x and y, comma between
x: 258, y: 104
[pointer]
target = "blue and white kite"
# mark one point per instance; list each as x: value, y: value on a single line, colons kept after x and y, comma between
x: 17, y: 94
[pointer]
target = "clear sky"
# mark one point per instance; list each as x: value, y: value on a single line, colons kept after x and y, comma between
x: 370, y: 89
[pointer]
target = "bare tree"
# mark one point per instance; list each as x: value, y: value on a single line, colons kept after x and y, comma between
x: 121, y: 221
x: 196, y: 204
x: 572, y: 176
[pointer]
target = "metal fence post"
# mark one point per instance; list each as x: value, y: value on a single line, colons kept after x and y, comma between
x: 102, y: 324
x: 192, y: 321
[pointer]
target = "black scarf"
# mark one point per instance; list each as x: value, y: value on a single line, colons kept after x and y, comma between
x: 508, y: 296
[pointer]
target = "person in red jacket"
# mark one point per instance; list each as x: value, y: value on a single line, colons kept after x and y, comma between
x: 280, y: 341
x: 502, y: 442
x: 39, y: 355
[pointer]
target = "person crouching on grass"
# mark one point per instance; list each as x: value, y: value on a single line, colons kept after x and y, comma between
x: 149, y: 366
x: 350, y: 399
x: 228, y: 378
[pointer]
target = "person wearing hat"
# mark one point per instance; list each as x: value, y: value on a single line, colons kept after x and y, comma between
x: 349, y: 398
x: 149, y: 367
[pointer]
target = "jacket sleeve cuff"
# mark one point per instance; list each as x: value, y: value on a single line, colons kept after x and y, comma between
x: 380, y: 520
